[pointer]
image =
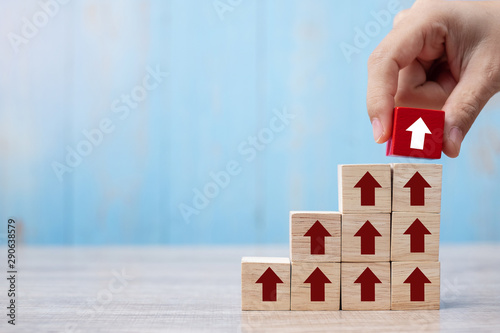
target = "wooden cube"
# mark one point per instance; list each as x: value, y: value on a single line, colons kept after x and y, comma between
x: 415, y: 237
x: 315, y: 236
x: 315, y: 286
x: 416, y: 188
x: 415, y: 285
x: 366, y: 237
x: 366, y: 286
x: 416, y: 133
x: 365, y: 188
x: 265, y: 283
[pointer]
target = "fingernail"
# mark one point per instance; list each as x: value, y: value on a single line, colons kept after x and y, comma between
x: 378, y: 130
x: 456, y: 137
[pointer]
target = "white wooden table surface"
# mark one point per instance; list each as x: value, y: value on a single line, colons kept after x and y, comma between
x: 184, y: 289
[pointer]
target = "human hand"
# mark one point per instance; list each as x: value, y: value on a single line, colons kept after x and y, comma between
x: 439, y: 55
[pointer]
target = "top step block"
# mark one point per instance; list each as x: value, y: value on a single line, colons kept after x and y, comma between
x: 416, y: 187
x: 416, y: 133
x: 365, y: 188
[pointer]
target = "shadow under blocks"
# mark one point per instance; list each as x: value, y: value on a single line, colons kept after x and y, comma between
x: 380, y: 252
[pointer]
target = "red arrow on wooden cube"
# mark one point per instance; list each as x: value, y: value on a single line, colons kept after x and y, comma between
x: 367, y: 184
x: 417, y: 232
x: 417, y: 185
x: 317, y: 279
x: 417, y: 281
x: 367, y: 279
x: 367, y: 233
x: 269, y: 282
x: 317, y: 233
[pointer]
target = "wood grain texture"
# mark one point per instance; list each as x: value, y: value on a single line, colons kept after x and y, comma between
x: 252, y: 268
x: 301, y: 292
x: 400, y: 291
x: 401, y: 242
x: 300, y: 245
x: 402, y: 173
x: 351, y: 291
x: 350, y: 196
x: 198, y: 289
x: 351, y: 244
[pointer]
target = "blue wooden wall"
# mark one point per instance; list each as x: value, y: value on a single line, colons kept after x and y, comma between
x: 229, y: 66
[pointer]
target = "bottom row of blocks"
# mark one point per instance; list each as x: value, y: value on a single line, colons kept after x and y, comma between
x: 277, y: 284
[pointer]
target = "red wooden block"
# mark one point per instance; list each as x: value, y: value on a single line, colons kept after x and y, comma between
x: 416, y: 133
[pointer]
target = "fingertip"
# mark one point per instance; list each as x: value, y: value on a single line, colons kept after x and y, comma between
x: 384, y: 138
x: 453, y: 142
x: 378, y: 130
x: 451, y: 152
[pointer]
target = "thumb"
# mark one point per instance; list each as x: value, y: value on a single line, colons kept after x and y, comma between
x: 475, y: 87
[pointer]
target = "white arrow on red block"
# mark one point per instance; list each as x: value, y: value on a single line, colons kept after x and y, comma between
x: 418, y: 131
